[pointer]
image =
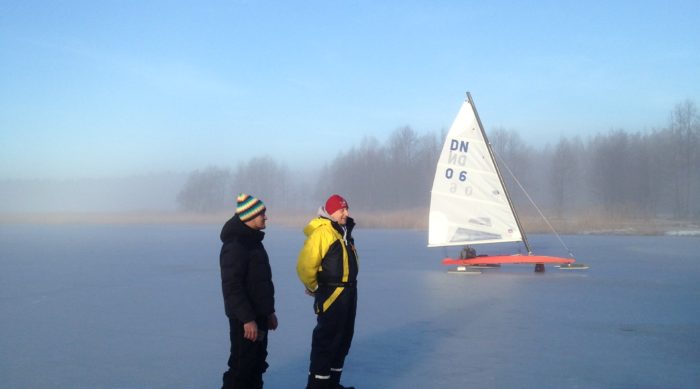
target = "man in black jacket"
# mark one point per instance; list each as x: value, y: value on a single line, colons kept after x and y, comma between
x: 249, y: 295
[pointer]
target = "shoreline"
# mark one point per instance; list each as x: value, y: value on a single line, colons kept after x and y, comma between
x: 415, y: 219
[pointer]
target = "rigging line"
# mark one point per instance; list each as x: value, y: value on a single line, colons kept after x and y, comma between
x: 505, y: 165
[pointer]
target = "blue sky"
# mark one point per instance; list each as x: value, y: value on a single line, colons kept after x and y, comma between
x: 114, y: 88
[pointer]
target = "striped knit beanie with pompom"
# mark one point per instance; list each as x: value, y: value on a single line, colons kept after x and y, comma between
x: 248, y: 207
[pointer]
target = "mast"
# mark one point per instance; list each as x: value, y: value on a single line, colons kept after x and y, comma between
x: 498, y: 171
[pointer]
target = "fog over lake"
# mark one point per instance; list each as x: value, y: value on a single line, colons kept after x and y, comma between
x: 123, y: 306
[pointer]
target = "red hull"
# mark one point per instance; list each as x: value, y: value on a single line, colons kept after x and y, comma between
x: 501, y: 259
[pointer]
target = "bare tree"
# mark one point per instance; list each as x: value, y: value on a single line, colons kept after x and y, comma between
x: 395, y: 176
x: 610, y: 171
x: 402, y: 152
x: 563, y: 173
x: 371, y: 163
x: 265, y: 178
x: 686, y: 131
x: 514, y: 155
x: 428, y: 153
x: 658, y: 149
x: 206, y: 190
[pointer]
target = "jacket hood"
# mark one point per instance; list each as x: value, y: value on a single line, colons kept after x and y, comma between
x: 324, y: 219
x: 235, y: 227
x: 322, y: 212
x: 316, y: 223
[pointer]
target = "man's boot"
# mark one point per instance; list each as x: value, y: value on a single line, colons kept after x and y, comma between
x: 319, y: 382
x: 335, y: 380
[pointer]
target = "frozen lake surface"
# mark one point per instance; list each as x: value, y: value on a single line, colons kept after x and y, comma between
x: 140, y: 307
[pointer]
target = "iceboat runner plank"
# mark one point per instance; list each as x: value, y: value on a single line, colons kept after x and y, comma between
x: 504, y: 259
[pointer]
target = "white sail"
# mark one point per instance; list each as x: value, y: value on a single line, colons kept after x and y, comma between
x: 468, y: 203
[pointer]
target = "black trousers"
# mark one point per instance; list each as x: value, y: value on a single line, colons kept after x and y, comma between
x: 333, y: 334
x: 246, y: 364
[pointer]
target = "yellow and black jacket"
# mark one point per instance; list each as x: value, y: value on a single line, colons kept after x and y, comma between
x: 327, y: 262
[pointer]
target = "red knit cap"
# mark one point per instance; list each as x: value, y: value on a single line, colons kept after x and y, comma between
x: 335, y: 203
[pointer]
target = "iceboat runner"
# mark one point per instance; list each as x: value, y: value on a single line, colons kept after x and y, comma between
x: 469, y: 203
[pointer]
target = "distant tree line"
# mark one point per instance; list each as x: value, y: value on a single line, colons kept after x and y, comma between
x: 649, y: 174
x: 393, y: 176
x: 215, y: 188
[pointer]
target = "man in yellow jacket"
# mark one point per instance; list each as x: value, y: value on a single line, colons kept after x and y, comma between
x: 327, y: 266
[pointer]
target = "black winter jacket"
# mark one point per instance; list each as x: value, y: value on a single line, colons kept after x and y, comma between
x: 246, y: 276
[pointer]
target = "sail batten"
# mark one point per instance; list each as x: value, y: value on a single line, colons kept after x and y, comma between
x: 483, y: 201
x: 469, y: 204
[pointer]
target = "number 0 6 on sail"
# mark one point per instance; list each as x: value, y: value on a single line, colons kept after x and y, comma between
x: 469, y: 203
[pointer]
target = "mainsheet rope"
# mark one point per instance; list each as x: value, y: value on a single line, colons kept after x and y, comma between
x: 505, y: 165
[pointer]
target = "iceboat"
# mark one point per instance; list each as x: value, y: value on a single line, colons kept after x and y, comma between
x: 469, y: 203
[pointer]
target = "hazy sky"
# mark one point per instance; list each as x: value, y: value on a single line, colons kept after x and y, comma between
x: 112, y: 88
